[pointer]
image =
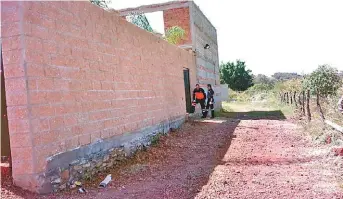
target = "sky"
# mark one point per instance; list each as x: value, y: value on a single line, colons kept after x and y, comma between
x: 270, y: 35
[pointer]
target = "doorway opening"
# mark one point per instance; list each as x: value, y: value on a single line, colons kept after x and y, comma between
x: 5, y: 138
x: 187, y: 90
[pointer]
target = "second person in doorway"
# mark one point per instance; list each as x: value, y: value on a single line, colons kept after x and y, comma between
x: 210, y: 100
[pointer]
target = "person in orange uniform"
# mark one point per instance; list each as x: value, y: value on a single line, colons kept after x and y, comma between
x: 199, y: 96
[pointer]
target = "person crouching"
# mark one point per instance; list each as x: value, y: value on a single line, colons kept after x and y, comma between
x: 199, y: 96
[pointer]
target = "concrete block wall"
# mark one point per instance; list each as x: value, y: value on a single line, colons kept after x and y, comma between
x: 76, y: 74
x: 203, y: 32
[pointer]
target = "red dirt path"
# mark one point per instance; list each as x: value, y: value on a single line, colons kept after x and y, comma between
x: 236, y: 159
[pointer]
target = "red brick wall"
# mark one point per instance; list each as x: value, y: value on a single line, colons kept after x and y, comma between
x: 178, y: 17
x: 75, y: 73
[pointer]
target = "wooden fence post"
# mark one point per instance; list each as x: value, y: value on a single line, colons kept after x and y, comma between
x: 320, y: 108
x: 308, y: 106
x: 303, y: 105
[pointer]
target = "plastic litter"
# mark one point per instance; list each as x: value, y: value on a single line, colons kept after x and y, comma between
x: 105, y: 182
x: 82, y: 190
x: 77, y: 183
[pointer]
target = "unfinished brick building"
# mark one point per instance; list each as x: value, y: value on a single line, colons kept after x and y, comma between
x: 84, y: 88
x: 199, y: 32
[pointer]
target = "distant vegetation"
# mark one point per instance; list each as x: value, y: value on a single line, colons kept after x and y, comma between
x: 285, y: 76
x: 313, y: 96
x: 236, y: 75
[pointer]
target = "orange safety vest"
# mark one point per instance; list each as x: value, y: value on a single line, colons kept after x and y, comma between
x: 199, y: 95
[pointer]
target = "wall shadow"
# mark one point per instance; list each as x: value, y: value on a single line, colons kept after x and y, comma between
x: 255, y: 115
x: 177, y: 167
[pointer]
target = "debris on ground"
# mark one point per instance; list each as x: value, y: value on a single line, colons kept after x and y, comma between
x: 338, y: 151
x: 105, y: 182
x: 82, y: 190
x: 237, y: 159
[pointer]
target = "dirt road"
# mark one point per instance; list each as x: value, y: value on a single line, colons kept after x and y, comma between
x: 247, y: 158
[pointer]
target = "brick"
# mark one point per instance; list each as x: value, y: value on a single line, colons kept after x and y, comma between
x: 12, y: 57
x: 20, y: 140
x: 45, y: 84
x: 52, y: 71
x: 105, y: 134
x: 62, y: 26
x: 16, y: 98
x: 95, y: 136
x: 70, y: 120
x: 42, y: 111
x: 45, y: 138
x: 35, y: 70
x: 72, y: 143
x: 21, y: 153
x: 10, y: 29
x: 32, y: 84
x: 36, y: 57
x: 40, y: 125
x: 58, y: 60
x: 84, y: 139
x: 61, y: 84
x: 64, y: 50
x: 54, y: 97
x: 9, y: 13
x: 17, y: 112
x: 14, y: 70
x: 75, y: 85
x: 39, y: 32
x: 96, y: 85
x: 22, y: 166
x: 38, y: 97
x: 15, y: 85
x: 56, y: 122
x: 32, y: 43
x: 11, y: 43
x: 18, y: 126
x: 50, y: 46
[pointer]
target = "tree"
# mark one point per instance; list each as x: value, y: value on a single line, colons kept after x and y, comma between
x: 174, y: 35
x: 325, y: 81
x: 322, y: 82
x: 140, y: 20
x: 101, y: 4
x: 236, y: 75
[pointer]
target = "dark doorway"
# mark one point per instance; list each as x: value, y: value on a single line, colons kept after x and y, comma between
x: 5, y: 139
x: 187, y: 89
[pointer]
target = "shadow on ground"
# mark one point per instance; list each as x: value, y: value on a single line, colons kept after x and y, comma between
x: 178, y: 166
x: 255, y: 115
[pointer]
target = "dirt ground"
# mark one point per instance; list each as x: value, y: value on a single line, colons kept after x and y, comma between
x: 239, y: 158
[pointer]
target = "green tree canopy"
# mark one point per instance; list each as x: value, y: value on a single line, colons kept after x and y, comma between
x: 324, y: 81
x: 102, y: 4
x: 140, y: 20
x: 236, y: 75
x: 174, y: 35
